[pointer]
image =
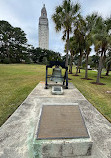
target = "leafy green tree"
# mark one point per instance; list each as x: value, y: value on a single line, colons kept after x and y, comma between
x: 39, y: 55
x: 19, y: 44
x: 44, y: 61
x: 5, y: 39
x: 13, y: 42
x: 94, y: 61
x: 63, y: 18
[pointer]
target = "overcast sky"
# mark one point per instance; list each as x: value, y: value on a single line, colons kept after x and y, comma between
x: 25, y: 14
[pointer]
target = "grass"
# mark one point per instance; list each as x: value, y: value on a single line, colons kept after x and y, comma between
x: 18, y: 80
x: 96, y: 94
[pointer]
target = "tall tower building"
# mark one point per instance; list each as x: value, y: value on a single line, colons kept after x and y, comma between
x: 43, y: 29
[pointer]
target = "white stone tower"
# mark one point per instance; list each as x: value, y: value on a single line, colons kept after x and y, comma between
x: 43, y: 29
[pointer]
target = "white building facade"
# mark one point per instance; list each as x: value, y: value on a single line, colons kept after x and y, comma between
x: 43, y: 29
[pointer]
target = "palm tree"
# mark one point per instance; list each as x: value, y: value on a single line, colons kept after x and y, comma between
x: 108, y: 59
x: 87, y: 52
x: 89, y: 24
x: 101, y: 40
x: 73, y: 50
x: 108, y: 63
x: 108, y: 23
x: 63, y: 18
x: 80, y: 40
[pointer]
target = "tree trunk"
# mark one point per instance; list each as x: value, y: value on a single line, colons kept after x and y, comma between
x: 99, y: 68
x: 70, y: 64
x: 86, y: 72
x: 66, y: 64
x: 101, y: 71
x: 108, y: 69
x: 70, y: 67
x: 77, y: 69
x: 79, y: 63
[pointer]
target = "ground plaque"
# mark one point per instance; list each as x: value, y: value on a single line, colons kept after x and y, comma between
x: 58, y: 90
x: 60, y: 122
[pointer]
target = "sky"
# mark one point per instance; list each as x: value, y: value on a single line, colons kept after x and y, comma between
x: 25, y: 14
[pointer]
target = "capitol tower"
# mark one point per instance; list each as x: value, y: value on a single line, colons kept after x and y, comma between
x: 43, y: 29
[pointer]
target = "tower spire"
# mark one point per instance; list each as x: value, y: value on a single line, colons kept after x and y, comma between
x: 43, y: 11
x: 43, y: 29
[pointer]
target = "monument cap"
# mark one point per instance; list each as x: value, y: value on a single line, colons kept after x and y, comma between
x: 43, y: 11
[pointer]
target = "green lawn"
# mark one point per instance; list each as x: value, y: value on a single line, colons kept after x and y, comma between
x: 96, y: 94
x: 18, y: 80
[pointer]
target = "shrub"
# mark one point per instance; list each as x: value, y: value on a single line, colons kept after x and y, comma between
x: 6, y: 61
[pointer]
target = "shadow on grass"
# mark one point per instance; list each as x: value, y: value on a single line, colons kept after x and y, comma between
x: 87, y: 78
x: 97, y: 83
x: 75, y: 75
x: 70, y: 73
x: 100, y: 77
x: 69, y: 79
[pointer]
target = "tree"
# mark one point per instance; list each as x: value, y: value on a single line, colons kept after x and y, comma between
x: 13, y: 42
x: 73, y: 51
x: 95, y: 61
x: 19, y: 45
x: 87, y: 50
x: 44, y: 56
x: 89, y: 24
x: 108, y: 63
x: 63, y: 18
x: 5, y: 39
x: 108, y: 59
x: 79, y: 34
x: 101, y: 40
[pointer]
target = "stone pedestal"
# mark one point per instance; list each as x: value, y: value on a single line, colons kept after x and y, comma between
x: 57, y: 90
x: 65, y: 148
x: 61, y: 133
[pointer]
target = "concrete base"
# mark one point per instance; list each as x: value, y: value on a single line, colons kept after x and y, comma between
x: 62, y: 148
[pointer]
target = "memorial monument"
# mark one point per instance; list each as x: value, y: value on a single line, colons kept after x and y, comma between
x: 43, y: 29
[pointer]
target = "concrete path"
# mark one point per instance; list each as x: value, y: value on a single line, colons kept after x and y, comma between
x: 16, y: 134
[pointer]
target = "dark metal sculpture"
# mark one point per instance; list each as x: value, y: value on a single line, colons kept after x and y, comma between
x: 56, y: 75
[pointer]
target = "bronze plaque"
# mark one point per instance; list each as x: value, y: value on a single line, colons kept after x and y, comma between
x: 60, y: 122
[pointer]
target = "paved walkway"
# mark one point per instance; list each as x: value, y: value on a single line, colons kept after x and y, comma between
x: 16, y: 134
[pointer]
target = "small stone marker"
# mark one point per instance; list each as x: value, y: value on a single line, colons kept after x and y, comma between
x: 58, y: 90
x: 60, y: 122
